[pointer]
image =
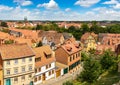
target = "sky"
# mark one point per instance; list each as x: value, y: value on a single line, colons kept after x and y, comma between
x: 65, y: 10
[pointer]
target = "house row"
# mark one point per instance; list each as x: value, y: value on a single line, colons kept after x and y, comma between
x: 22, y: 65
x: 100, y: 42
x: 33, y: 37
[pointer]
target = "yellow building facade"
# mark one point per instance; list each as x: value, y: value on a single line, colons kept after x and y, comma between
x: 1, y: 76
x: 90, y: 43
x: 19, y: 71
x: 18, y: 62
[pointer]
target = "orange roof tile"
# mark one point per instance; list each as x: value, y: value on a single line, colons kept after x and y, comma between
x: 40, y: 53
x: 13, y: 51
x: 27, y: 33
x: 71, y: 48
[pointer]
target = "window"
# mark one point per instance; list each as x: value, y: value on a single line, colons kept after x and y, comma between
x: 23, y: 69
x: 76, y: 55
x: 23, y: 78
x: 49, y: 65
x: 52, y: 71
x: 30, y: 75
x: 39, y: 69
x: 37, y: 59
x: 70, y: 58
x: 35, y: 80
x: 39, y: 77
x: 30, y: 68
x: 36, y: 70
x: 46, y: 66
x: 73, y: 57
x: 49, y: 73
x: 8, y: 71
x: 15, y: 79
x: 30, y: 59
x: 23, y: 60
x: 16, y: 62
x: 8, y: 62
x: 15, y: 70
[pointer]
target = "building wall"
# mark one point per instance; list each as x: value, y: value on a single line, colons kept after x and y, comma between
x: 90, y: 43
x: 19, y: 65
x: 61, y: 56
x: 1, y: 77
x: 46, y: 72
x: 76, y: 58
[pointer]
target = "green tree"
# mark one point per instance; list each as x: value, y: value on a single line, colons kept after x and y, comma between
x: 85, y: 28
x: 71, y: 29
x: 68, y: 83
x: 107, y: 60
x: 91, y: 72
x: 94, y: 27
x: 4, y: 24
x: 9, y: 41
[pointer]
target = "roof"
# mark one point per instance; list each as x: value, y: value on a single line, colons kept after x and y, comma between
x: 40, y: 53
x: 60, y: 65
x: 27, y: 33
x: 71, y: 40
x: 71, y: 48
x: 51, y: 36
x: 4, y: 35
x: 14, y: 51
x: 105, y: 47
x: 67, y: 35
x: 86, y: 35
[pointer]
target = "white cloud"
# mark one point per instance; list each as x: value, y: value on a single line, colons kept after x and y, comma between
x: 86, y: 3
x: 50, y: 5
x: 117, y: 6
x: 23, y: 2
x: 111, y: 2
x: 67, y: 9
x: 115, y: 3
x: 3, y: 8
x: 18, y: 13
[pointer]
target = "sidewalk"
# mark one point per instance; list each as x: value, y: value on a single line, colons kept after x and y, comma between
x: 60, y: 80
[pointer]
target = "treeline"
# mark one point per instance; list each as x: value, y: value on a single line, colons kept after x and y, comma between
x: 85, y: 27
x: 75, y: 31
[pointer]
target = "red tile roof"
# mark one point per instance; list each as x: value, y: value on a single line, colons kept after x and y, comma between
x: 71, y: 48
x: 40, y: 52
x: 13, y: 51
x: 27, y: 33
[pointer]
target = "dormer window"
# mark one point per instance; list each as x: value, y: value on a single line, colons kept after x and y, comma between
x: 38, y: 59
x: 77, y: 45
x: 47, y: 55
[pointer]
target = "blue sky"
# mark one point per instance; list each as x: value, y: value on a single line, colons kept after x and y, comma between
x: 75, y: 10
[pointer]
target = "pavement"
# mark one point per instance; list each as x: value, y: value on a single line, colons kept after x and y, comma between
x: 60, y: 80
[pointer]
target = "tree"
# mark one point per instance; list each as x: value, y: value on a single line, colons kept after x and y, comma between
x: 39, y: 27
x: 85, y: 28
x: 9, y: 41
x: 94, y: 27
x: 91, y: 72
x: 4, y: 24
x: 107, y: 60
x: 71, y: 29
x: 68, y: 83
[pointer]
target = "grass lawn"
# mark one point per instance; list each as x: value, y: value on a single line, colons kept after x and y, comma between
x: 109, y: 79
